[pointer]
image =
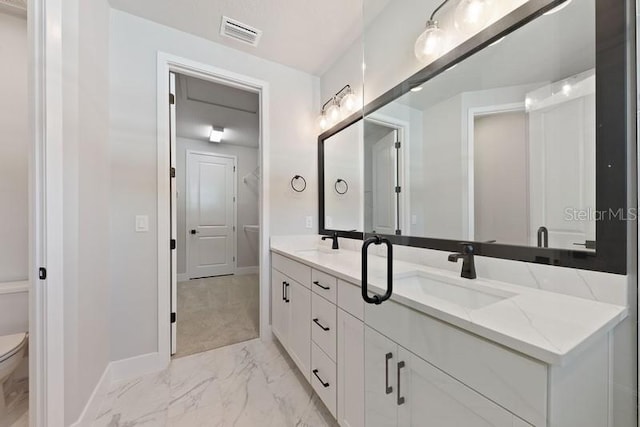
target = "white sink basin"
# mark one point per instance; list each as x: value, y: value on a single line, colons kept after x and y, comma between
x: 318, y: 251
x: 447, y: 289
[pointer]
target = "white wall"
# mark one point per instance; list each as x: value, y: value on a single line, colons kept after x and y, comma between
x: 14, y: 149
x: 247, y: 203
x: 133, y: 55
x: 86, y: 199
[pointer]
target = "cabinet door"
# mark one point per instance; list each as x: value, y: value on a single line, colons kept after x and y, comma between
x: 299, y: 302
x: 350, y: 361
x: 380, y: 358
x: 279, y: 308
x: 430, y: 394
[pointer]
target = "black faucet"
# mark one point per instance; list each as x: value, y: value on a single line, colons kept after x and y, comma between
x: 334, y: 237
x: 468, y: 264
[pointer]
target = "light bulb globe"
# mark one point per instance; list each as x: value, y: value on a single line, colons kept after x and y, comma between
x: 323, y: 123
x: 472, y: 15
x: 350, y: 102
x: 430, y: 43
x: 333, y: 113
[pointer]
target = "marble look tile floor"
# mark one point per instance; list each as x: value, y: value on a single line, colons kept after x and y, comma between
x: 249, y: 384
x: 17, y: 399
x: 217, y: 311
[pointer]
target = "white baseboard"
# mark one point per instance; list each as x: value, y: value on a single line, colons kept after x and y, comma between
x: 139, y: 365
x: 240, y: 271
x: 183, y: 277
x: 92, y: 408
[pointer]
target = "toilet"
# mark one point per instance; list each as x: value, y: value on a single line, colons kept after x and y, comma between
x: 12, y: 348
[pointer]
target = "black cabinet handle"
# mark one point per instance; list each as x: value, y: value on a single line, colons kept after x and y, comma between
x: 315, y: 372
x: 388, y: 388
x: 324, y: 328
x: 326, y: 288
x: 376, y: 299
x: 400, y: 398
x: 286, y: 292
x: 284, y: 295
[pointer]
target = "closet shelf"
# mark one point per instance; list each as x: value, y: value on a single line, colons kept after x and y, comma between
x: 253, y: 228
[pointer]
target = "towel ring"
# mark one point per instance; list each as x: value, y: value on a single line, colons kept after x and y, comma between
x: 298, y: 189
x: 346, y: 186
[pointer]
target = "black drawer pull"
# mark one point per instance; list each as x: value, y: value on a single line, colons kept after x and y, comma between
x: 326, y: 288
x: 315, y: 372
x: 286, y: 292
x: 400, y: 398
x: 324, y: 328
x: 388, y: 389
x: 284, y: 295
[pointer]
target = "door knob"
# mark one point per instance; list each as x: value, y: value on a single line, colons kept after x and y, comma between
x: 194, y: 231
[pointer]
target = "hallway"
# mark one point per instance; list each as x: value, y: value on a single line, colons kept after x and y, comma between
x: 217, y: 311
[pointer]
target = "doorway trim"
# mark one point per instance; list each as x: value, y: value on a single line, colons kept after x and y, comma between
x: 404, y: 129
x: 46, y: 296
x: 167, y: 63
x: 235, y: 205
x: 472, y: 113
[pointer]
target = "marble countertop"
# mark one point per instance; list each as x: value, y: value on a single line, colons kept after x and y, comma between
x: 547, y: 326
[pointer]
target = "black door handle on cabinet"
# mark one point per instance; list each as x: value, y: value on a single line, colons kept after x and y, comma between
x: 316, y: 321
x: 286, y: 292
x: 325, y: 385
x: 376, y: 299
x: 284, y: 295
x: 400, y: 398
x: 326, y: 288
x: 388, y: 388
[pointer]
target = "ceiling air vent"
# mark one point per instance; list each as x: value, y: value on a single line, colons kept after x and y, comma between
x: 239, y: 31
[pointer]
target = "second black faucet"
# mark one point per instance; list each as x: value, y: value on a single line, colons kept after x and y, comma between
x: 468, y: 263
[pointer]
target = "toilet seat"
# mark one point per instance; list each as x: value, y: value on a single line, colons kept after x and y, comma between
x: 10, y: 345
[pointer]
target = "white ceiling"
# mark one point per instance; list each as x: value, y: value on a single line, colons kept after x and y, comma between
x: 201, y: 105
x: 308, y: 35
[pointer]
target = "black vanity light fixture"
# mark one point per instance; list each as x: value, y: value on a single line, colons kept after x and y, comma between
x: 470, y: 16
x: 344, y: 100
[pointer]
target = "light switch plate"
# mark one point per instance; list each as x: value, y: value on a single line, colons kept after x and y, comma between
x: 142, y: 223
x: 309, y: 222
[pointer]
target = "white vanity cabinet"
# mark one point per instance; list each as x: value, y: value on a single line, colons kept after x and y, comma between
x: 350, y: 363
x: 390, y: 365
x: 291, y: 309
x: 404, y: 390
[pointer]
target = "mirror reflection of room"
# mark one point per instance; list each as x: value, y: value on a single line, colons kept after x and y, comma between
x: 502, y: 145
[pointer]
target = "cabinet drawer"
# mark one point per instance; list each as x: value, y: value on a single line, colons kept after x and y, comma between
x: 324, y: 284
x: 323, y: 325
x: 295, y: 270
x: 323, y: 378
x: 350, y: 299
x: 514, y: 381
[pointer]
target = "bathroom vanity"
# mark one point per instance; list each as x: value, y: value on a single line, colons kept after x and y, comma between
x: 453, y: 351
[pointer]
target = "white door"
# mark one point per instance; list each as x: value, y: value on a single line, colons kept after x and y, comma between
x: 299, y: 300
x: 384, y: 185
x: 279, y: 307
x: 380, y: 361
x: 174, y: 212
x: 430, y: 394
x: 211, y: 242
x: 562, y: 141
x: 350, y: 370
